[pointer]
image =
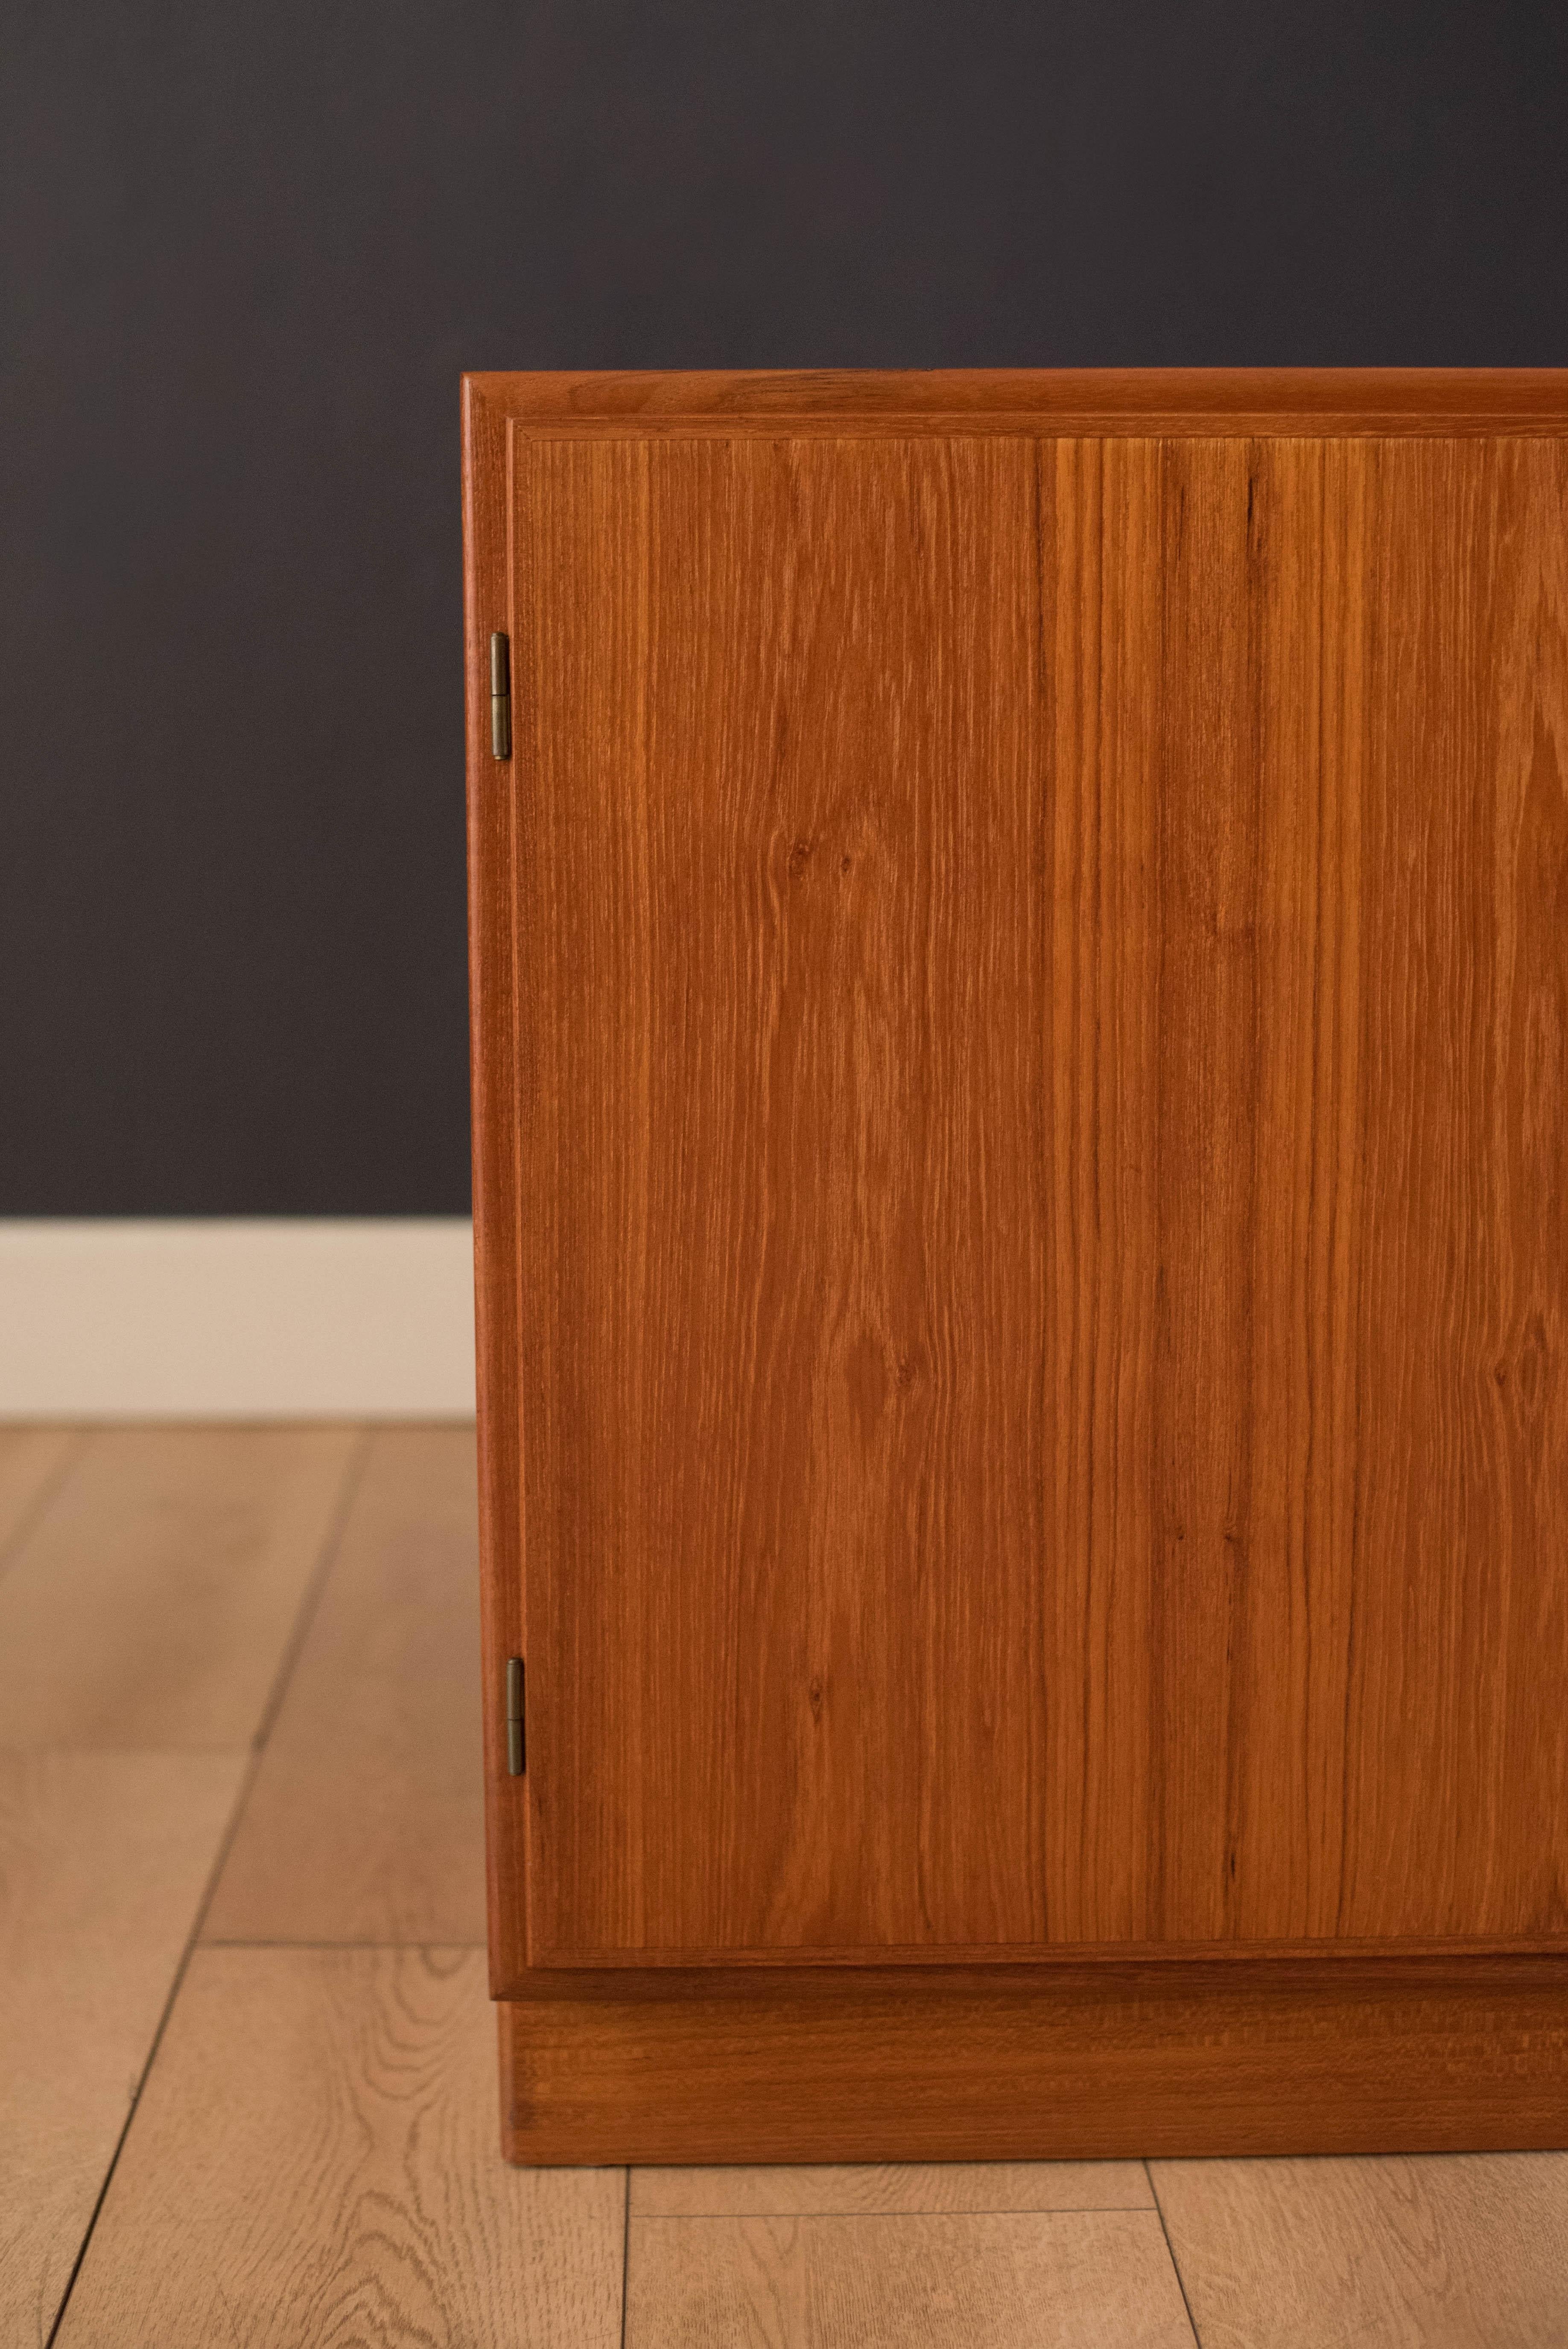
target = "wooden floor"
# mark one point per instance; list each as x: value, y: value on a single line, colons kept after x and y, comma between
x: 247, y: 2064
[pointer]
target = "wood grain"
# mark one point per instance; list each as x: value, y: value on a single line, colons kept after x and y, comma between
x: 1436, y: 2254
x: 313, y: 2160
x: 1014, y: 2282
x: 493, y: 1000
x: 1061, y: 402
x: 364, y: 1821
x: 153, y: 1603
x: 32, y: 1460
x: 1041, y: 990
x: 1453, y: 1627
x: 103, y: 1861
x: 1096, y: 2062
x: 804, y: 2188
x: 778, y: 876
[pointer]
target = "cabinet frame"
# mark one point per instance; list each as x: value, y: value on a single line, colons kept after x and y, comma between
x: 1372, y: 2022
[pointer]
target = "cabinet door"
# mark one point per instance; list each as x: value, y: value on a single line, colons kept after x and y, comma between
x: 1041, y: 1011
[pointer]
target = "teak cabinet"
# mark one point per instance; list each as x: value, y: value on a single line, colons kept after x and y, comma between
x: 1020, y: 983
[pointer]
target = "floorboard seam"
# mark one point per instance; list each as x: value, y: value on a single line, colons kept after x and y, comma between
x: 331, y: 1540
x: 421, y: 1941
x: 299, y: 1631
x: 625, y: 2254
x: 1175, y: 2263
x: 43, y: 1500
x: 240, y: 1798
x: 926, y: 2210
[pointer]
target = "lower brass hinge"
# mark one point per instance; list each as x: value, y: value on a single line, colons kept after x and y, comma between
x: 516, y: 1752
x: 501, y: 696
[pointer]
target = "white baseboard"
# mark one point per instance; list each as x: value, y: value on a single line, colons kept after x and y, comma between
x: 285, y: 1319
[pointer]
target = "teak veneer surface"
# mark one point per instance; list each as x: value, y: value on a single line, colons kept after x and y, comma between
x: 1021, y: 995
x: 1247, y: 402
x: 1088, y: 2062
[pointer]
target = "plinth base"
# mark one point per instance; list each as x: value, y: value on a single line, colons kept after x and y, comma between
x: 1113, y: 2061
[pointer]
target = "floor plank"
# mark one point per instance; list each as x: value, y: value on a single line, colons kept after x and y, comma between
x: 314, y: 2160
x: 1079, y: 2279
x: 845, y: 2188
x: 151, y: 1604
x: 1440, y: 2251
x: 103, y: 1861
x: 31, y: 1458
x: 366, y: 1822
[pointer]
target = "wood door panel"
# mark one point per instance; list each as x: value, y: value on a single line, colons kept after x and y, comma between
x: 1040, y: 1002
x: 782, y: 901
x: 1397, y: 1760
x: 1456, y: 1744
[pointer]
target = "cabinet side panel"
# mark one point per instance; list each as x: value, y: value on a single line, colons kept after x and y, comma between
x: 492, y: 1015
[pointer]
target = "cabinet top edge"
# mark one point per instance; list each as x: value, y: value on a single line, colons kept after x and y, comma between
x: 1251, y: 401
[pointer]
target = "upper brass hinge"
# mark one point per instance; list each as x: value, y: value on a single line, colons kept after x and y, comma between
x: 516, y: 1752
x: 501, y: 696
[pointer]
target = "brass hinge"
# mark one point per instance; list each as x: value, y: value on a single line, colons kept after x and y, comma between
x: 501, y: 696
x: 515, y: 1750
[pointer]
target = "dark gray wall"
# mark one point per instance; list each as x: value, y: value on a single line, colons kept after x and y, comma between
x: 247, y: 252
